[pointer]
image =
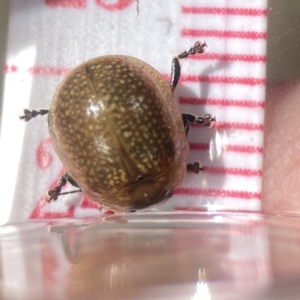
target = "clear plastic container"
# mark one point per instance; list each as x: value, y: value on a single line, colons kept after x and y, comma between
x: 152, y: 256
x: 159, y: 255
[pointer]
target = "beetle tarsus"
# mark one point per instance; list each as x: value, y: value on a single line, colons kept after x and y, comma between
x: 54, y: 193
x: 29, y: 114
x: 199, y: 48
x: 207, y: 120
x: 195, y: 167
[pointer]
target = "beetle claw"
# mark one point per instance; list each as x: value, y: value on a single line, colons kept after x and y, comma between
x: 208, y: 120
x: 195, y: 167
x: 200, y: 47
x: 52, y: 195
x: 26, y: 116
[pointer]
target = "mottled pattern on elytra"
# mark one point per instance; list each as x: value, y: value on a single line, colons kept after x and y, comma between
x: 109, y: 124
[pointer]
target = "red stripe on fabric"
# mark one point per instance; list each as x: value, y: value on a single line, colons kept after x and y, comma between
x: 10, y: 69
x: 37, y: 70
x: 233, y: 171
x: 251, y: 35
x: 229, y: 57
x: 217, y: 193
x: 48, y: 71
x: 88, y: 204
x: 54, y: 215
x: 229, y: 148
x: 222, y: 102
x: 224, y: 11
x: 240, y: 126
x: 233, y: 126
x: 224, y: 80
x: 66, y: 3
x: 184, y: 78
x: 205, y: 56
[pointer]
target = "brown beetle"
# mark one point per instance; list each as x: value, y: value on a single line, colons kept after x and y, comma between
x: 116, y: 127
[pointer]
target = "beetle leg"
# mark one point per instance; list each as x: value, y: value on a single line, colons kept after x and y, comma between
x: 206, y: 120
x: 195, y: 167
x: 69, y: 178
x: 199, y: 47
x: 186, y: 123
x: 53, y: 194
x: 175, y: 73
x: 28, y: 114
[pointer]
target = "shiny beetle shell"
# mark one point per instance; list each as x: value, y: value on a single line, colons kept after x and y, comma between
x: 117, y: 128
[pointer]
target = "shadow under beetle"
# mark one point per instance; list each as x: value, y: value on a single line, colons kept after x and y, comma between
x: 116, y: 127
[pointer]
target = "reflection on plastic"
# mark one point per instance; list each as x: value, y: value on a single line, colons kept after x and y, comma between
x: 218, y: 146
x: 152, y: 256
x: 203, y: 292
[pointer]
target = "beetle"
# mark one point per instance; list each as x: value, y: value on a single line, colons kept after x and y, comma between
x: 116, y: 127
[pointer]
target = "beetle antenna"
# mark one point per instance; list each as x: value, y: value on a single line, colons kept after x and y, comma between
x: 28, y: 114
